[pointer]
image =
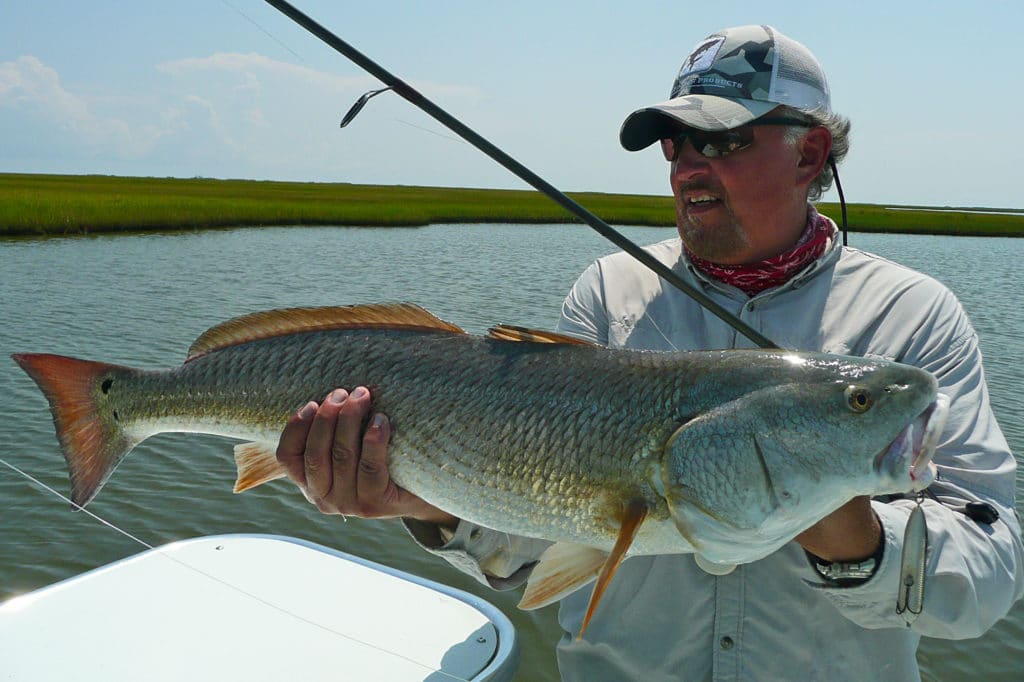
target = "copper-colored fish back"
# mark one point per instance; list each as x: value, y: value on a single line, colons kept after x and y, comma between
x: 271, y: 323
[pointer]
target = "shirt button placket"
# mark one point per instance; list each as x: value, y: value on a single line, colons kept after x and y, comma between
x: 728, y: 616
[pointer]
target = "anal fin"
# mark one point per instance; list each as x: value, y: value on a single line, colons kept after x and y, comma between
x: 257, y: 464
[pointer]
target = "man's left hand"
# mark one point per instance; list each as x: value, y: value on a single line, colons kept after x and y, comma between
x: 850, y: 533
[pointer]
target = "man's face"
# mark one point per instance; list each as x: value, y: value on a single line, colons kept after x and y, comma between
x: 742, y: 207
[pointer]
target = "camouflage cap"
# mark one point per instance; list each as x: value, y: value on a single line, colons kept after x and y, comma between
x: 732, y: 77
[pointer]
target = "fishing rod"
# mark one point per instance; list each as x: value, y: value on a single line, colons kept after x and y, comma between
x: 416, y: 98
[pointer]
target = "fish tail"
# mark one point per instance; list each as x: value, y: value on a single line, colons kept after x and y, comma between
x: 88, y: 426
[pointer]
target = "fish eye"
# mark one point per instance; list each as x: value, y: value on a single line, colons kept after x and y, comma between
x: 858, y: 398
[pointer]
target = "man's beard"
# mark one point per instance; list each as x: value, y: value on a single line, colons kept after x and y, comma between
x: 716, y: 244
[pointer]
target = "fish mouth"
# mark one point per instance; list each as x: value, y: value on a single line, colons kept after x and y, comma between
x: 908, y: 459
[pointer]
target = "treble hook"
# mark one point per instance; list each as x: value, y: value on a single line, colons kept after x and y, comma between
x: 913, y: 565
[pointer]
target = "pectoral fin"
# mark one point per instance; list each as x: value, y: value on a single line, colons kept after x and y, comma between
x: 257, y: 464
x: 563, y: 568
x: 713, y: 568
x: 635, y: 514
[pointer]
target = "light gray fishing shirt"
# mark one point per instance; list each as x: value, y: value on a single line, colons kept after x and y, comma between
x: 664, y: 618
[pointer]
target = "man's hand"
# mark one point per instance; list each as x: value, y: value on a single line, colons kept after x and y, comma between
x: 339, y: 460
x: 850, y: 533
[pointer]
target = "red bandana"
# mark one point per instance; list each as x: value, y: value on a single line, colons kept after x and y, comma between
x: 753, y: 278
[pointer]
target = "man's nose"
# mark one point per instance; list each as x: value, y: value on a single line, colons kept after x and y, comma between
x: 689, y: 163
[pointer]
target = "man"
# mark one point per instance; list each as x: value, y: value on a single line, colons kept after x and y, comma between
x: 748, y: 133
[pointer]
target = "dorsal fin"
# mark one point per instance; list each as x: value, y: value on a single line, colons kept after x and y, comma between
x: 271, y: 323
x: 507, y: 332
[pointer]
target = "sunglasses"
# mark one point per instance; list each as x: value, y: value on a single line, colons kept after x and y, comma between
x: 715, y: 144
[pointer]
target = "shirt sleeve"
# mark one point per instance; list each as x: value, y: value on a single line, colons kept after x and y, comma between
x: 583, y: 311
x: 499, y: 560
x: 974, y: 570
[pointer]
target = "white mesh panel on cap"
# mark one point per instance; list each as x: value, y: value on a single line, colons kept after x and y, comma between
x: 798, y: 79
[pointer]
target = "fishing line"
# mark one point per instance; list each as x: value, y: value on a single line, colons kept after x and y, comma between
x: 220, y: 581
x: 268, y: 33
x: 658, y: 329
x: 416, y: 98
x: 78, y: 507
x: 432, y: 132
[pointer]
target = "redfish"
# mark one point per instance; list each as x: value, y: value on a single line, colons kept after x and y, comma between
x: 606, y: 453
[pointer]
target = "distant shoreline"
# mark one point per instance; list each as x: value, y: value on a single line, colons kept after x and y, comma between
x: 44, y: 205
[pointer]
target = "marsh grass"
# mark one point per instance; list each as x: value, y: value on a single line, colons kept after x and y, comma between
x: 79, y: 204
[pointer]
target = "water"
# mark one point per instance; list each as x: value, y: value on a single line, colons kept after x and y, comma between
x: 140, y: 300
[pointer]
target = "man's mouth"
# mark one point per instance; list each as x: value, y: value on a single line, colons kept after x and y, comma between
x: 700, y: 199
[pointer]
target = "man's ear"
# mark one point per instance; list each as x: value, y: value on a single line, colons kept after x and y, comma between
x: 814, y: 148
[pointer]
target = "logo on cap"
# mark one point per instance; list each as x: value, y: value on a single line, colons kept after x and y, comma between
x: 702, y: 57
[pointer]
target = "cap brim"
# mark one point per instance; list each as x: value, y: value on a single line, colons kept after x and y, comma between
x: 648, y: 125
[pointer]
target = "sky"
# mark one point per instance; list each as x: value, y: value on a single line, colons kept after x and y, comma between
x: 234, y: 89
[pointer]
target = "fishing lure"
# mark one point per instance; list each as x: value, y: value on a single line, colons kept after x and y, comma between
x: 910, y: 600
